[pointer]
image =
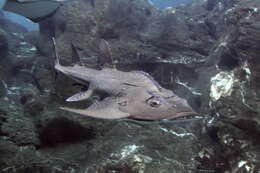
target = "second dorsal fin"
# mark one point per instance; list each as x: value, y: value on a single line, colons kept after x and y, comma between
x: 75, y: 55
x: 104, y: 54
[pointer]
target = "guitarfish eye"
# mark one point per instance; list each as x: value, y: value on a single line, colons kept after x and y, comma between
x: 154, y: 102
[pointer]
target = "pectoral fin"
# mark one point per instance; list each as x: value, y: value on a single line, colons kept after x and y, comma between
x: 34, y: 10
x: 106, y: 109
x: 83, y: 95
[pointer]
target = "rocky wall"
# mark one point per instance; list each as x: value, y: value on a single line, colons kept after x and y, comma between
x: 206, y: 52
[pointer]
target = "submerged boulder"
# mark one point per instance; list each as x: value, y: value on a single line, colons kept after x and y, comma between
x: 207, y: 52
x: 3, y: 44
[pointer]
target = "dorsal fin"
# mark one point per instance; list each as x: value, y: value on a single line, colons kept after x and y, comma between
x: 75, y: 55
x: 56, y: 63
x: 57, y: 58
x: 150, y: 78
x: 104, y: 54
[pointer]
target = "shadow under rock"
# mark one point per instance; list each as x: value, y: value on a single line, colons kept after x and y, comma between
x: 64, y: 131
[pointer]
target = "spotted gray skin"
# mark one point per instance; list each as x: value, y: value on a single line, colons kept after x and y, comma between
x: 134, y: 95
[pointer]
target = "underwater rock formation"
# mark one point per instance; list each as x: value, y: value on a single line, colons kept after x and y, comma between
x: 207, y: 52
x: 4, y: 44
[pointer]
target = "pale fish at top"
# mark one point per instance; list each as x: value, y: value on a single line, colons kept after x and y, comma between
x: 35, y: 10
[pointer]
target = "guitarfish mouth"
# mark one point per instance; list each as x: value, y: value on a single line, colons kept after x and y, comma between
x: 185, y: 114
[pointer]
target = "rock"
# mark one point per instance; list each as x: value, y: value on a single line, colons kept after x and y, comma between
x: 17, y: 126
x: 21, y: 131
x: 2, y: 89
x: 3, y: 44
x: 236, y: 110
x: 140, y: 149
x: 207, y: 52
x: 68, y: 25
x: 62, y: 131
x: 25, y: 158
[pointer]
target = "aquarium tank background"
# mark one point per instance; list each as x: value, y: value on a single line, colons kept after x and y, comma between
x: 129, y: 86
